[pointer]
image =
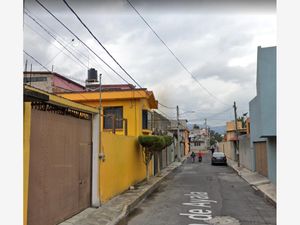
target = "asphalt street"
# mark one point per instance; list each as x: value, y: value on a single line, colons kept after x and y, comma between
x: 199, y: 193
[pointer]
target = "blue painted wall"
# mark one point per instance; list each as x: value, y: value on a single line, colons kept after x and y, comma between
x: 255, y: 120
x: 263, y: 107
x: 266, y: 90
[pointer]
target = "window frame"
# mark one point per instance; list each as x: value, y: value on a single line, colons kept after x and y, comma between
x: 107, y: 120
x: 146, y: 119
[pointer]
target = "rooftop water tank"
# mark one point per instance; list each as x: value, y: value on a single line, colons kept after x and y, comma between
x: 92, y: 75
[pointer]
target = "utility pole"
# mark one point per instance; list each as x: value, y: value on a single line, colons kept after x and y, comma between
x: 207, y: 133
x: 30, y: 74
x: 178, y: 142
x: 100, y: 111
x: 101, y: 156
x: 236, y: 133
x: 26, y: 65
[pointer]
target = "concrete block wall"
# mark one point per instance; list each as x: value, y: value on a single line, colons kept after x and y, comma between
x: 228, y: 148
x: 246, y: 152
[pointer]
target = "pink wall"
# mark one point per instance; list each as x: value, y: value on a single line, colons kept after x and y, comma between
x: 61, y: 83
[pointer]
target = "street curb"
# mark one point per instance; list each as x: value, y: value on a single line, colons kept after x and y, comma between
x: 268, y: 198
x: 127, y: 209
x: 256, y: 188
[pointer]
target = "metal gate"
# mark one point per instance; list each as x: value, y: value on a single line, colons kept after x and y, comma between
x: 261, y: 158
x: 60, y: 167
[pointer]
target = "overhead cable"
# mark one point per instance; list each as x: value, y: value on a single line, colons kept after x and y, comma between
x: 168, y: 107
x: 86, y: 27
x: 52, y: 43
x: 177, y: 59
x: 36, y: 61
x: 48, y: 32
x: 80, y: 40
x: 168, y: 117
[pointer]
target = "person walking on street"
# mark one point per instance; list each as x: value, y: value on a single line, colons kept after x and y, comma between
x: 199, y: 156
x: 193, y: 155
x: 212, y: 150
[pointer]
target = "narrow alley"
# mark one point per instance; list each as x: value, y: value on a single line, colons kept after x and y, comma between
x: 230, y: 199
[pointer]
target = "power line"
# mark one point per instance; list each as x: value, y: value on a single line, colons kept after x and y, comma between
x: 58, y: 53
x: 51, y: 43
x: 47, y: 68
x: 61, y: 50
x: 168, y: 107
x: 101, y: 44
x: 47, y: 10
x: 36, y: 61
x: 38, y: 33
x: 57, y: 35
x: 53, y: 32
x: 45, y: 24
x: 177, y: 59
x: 48, y: 32
x: 168, y: 117
x: 211, y: 116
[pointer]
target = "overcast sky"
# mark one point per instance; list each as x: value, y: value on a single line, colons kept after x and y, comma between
x: 216, y: 42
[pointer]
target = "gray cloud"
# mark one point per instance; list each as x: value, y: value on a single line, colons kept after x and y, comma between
x: 166, y: 6
x: 218, y: 48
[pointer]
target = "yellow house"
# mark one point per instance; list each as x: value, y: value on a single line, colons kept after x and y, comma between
x: 61, y: 149
x: 126, y: 114
x: 131, y: 105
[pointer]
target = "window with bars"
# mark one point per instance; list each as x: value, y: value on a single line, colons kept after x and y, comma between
x: 109, y: 114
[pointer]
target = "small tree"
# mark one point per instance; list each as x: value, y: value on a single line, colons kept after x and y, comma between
x: 152, y: 145
x: 215, y: 137
x: 169, y: 140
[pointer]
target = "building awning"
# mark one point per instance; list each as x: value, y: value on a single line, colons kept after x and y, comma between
x: 33, y: 96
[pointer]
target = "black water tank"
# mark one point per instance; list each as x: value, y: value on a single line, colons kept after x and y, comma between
x: 92, y: 75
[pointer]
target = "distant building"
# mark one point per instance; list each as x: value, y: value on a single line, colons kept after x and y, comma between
x: 263, y: 114
x: 182, y: 124
x: 183, y: 135
x: 199, y: 139
x: 160, y: 124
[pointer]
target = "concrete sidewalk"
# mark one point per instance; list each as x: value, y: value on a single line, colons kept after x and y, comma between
x: 116, y: 209
x: 259, y: 183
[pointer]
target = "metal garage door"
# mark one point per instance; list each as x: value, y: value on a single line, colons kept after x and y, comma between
x: 261, y: 158
x: 60, y: 167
